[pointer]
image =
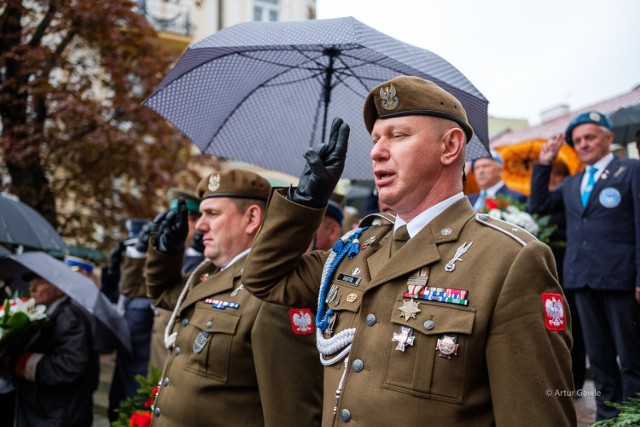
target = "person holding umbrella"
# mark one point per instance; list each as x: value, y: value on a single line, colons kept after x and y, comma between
x: 54, y: 383
x: 446, y: 317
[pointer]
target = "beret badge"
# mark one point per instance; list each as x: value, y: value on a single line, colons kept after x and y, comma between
x: 389, y: 100
x: 594, y: 116
x: 214, y: 182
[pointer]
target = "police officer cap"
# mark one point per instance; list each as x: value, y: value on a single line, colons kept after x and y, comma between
x: 234, y: 183
x: 175, y: 194
x: 78, y: 263
x: 584, y: 118
x: 408, y: 96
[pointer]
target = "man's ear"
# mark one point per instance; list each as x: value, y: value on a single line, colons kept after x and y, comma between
x: 253, y: 216
x: 453, y: 143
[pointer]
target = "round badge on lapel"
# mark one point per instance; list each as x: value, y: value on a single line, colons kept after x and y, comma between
x: 610, y: 197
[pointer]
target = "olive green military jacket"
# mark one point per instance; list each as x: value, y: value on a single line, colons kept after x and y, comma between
x: 503, y: 359
x: 236, y: 360
x: 132, y: 283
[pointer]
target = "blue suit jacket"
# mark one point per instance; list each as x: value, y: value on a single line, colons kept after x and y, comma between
x: 503, y: 191
x: 603, y: 239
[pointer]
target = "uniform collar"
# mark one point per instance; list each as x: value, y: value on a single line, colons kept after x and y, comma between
x: 425, y: 217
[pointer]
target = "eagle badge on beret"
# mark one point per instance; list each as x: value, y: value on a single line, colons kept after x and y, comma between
x: 389, y: 100
x: 214, y: 182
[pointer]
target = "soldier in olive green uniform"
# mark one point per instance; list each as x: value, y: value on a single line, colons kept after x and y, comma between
x: 456, y: 319
x: 234, y: 360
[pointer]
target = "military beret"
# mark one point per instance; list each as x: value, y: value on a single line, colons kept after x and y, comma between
x: 175, y: 194
x: 408, y: 96
x: 584, y: 118
x: 234, y: 183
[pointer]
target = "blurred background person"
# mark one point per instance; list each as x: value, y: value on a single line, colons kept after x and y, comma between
x: 54, y: 382
x: 146, y: 322
x: 330, y: 229
x: 488, y: 175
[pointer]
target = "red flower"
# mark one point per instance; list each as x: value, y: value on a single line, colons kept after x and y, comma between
x: 140, y: 419
x: 491, y: 204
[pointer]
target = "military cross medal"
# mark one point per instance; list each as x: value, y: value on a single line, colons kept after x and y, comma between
x: 404, y: 338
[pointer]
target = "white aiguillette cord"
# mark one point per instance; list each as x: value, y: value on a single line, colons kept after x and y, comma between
x: 169, y: 337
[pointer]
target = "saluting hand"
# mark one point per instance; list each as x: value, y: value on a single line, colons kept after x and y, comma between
x: 549, y: 150
x: 325, y: 164
x: 173, y: 228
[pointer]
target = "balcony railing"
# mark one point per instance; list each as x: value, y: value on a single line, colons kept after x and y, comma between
x: 168, y: 17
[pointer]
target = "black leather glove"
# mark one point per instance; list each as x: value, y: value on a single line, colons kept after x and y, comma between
x: 173, y: 228
x: 145, y: 233
x: 196, y: 243
x: 115, y: 259
x: 324, y: 168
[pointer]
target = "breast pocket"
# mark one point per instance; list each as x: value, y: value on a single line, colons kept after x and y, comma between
x: 426, y: 368
x: 212, y: 335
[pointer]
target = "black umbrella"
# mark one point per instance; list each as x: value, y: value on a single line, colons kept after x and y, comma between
x: 626, y: 122
x: 263, y: 92
x: 109, y: 327
x: 20, y: 224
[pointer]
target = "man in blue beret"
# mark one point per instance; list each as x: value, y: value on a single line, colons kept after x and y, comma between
x: 602, y: 259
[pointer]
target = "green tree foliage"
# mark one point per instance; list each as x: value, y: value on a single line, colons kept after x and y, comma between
x: 76, y: 143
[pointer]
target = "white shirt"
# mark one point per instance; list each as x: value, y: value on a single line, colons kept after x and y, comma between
x: 235, y: 258
x: 425, y: 217
x: 600, y: 165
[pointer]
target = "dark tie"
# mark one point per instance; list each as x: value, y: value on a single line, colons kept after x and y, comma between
x: 591, y: 182
x: 400, y: 237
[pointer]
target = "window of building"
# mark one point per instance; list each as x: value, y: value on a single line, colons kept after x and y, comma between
x: 266, y: 10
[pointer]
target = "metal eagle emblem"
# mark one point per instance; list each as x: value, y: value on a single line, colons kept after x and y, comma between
x: 389, y: 100
x: 214, y: 182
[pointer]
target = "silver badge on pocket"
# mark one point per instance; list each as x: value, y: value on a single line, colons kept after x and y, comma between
x: 201, y: 341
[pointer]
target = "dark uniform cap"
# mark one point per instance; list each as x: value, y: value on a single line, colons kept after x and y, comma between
x: 175, y: 194
x: 409, y: 96
x: 235, y: 183
x: 584, y: 118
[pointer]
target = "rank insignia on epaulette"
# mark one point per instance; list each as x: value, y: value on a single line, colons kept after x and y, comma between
x: 447, y: 346
x: 301, y: 321
x: 217, y: 303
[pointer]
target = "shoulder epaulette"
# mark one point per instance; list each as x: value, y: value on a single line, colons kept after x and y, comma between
x: 518, y: 234
x: 375, y: 219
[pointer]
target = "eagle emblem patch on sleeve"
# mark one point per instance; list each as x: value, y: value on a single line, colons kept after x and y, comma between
x: 301, y: 321
x: 554, y: 317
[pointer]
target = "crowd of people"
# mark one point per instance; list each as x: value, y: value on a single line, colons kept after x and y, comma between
x: 258, y: 309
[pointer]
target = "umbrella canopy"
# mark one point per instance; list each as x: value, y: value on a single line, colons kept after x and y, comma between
x: 20, y: 224
x: 263, y: 92
x: 110, y: 328
x: 626, y: 122
x: 518, y: 160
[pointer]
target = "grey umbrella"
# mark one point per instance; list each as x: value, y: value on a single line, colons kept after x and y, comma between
x: 110, y: 328
x: 21, y: 225
x: 626, y: 122
x: 263, y: 92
